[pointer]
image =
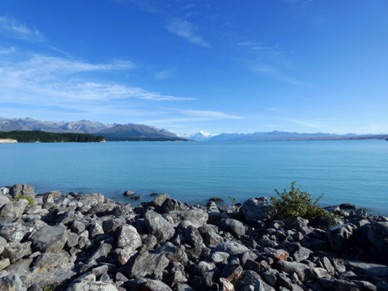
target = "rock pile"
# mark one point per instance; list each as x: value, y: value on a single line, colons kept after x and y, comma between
x: 89, y: 242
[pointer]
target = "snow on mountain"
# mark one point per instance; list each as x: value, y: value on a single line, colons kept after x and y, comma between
x: 201, y: 136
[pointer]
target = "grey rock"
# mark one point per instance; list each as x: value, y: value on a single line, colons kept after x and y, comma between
x: 183, y: 287
x: 233, y: 226
x: 206, y: 272
x: 278, y: 254
x: 99, y: 254
x: 174, y: 253
x: 152, y: 285
x: 158, y: 226
x: 147, y: 264
x: 298, y: 223
x: 125, y: 254
x: 49, y: 261
x: 232, y: 248
x: 4, y: 191
x: 12, y: 282
x: 336, y: 284
x: 22, y: 189
x: 50, y: 239
x: 231, y: 272
x: 250, y: 280
x: 294, y: 267
x: 11, y: 211
x: 129, y: 193
x: 220, y: 257
x: 13, y: 232
x: 72, y: 240
x: 255, y: 209
x: 328, y: 266
x: 4, y: 263
x: 302, y: 254
x: 102, y: 209
x: 95, y: 229
x: 193, y: 236
x: 210, y: 235
x: 91, y: 199
x: 197, y: 217
x: 16, y: 250
x: 128, y: 237
x: 172, y: 205
x: 371, y: 269
x: 365, y: 285
x: 110, y: 225
x: 158, y: 201
x: 149, y: 241
x: 87, y: 282
x: 378, y: 237
x: 339, y: 236
x: 77, y: 226
x: 4, y: 199
x: 318, y: 273
x: 284, y: 281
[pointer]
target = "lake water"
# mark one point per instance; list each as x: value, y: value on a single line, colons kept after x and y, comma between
x: 345, y: 171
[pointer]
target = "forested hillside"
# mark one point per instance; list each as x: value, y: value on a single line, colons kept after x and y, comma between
x: 42, y: 136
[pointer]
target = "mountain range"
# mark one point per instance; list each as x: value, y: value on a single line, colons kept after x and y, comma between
x: 140, y: 132
x: 281, y: 135
x: 111, y: 132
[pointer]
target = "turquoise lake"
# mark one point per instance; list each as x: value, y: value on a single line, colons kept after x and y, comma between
x: 345, y: 171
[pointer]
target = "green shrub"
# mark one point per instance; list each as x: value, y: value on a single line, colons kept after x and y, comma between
x: 296, y: 203
x: 30, y: 200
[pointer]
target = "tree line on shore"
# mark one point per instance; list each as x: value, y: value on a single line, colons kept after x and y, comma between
x: 42, y: 136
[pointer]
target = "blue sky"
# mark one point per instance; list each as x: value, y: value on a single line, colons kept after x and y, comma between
x: 217, y: 66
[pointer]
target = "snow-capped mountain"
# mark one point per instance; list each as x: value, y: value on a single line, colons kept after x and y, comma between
x: 201, y: 136
x: 109, y: 131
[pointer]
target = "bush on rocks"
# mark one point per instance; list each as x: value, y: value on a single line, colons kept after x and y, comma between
x: 296, y: 203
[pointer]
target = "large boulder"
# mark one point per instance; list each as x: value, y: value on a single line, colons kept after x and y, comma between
x: 11, y: 211
x: 256, y: 209
x: 378, y: 237
x: 147, y: 264
x: 158, y: 226
x: 14, y: 251
x: 233, y: 226
x: 88, y: 282
x: 339, y: 236
x: 197, y: 217
x: 22, y: 189
x: 50, y: 239
x: 13, y: 232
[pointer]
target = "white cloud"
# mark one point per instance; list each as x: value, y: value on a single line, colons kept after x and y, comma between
x: 6, y: 51
x: 164, y: 75
x: 13, y: 28
x: 37, y: 81
x: 186, y: 30
x: 210, y: 114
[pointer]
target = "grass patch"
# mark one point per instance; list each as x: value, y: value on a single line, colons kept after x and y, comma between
x: 30, y: 200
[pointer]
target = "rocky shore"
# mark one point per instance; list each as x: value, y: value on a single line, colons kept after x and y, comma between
x: 55, y: 241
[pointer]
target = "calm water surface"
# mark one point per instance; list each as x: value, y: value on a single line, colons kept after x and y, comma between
x: 345, y: 171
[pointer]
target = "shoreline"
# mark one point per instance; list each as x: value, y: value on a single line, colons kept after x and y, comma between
x: 74, y: 241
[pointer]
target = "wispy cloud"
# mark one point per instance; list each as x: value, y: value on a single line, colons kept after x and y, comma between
x: 276, y: 73
x: 164, y: 75
x: 13, y: 28
x: 186, y: 30
x: 210, y: 114
x: 39, y: 80
x: 6, y: 51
